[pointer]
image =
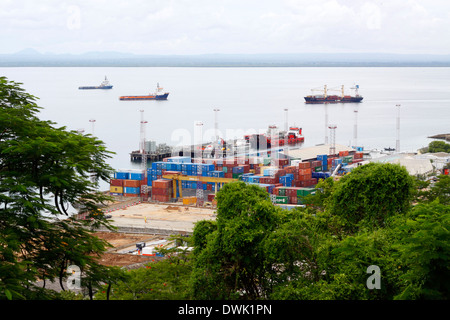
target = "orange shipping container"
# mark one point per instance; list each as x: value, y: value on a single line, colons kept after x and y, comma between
x: 304, y: 165
x: 132, y: 183
x: 161, y: 183
x: 304, y: 171
x: 304, y: 177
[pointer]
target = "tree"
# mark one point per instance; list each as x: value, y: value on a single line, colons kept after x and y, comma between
x: 232, y: 264
x: 43, y: 170
x: 438, y: 146
x: 371, y: 194
x: 423, y: 244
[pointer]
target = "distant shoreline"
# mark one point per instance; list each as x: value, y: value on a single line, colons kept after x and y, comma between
x: 32, y: 58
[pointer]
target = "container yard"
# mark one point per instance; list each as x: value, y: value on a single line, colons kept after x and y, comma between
x: 288, y: 177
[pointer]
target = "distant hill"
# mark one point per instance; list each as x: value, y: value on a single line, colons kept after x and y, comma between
x: 33, y: 58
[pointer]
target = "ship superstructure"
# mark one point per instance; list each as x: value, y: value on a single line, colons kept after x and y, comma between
x: 327, y: 98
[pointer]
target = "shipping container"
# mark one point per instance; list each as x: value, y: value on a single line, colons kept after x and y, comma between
x: 304, y: 165
x: 115, y: 189
x: 132, y: 183
x: 179, y: 159
x: 116, y: 182
x: 122, y: 175
x: 282, y: 199
x: 189, y: 200
x: 131, y: 190
x: 162, y: 183
x: 137, y: 174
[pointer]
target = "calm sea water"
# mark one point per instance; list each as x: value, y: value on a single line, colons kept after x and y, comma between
x: 248, y: 99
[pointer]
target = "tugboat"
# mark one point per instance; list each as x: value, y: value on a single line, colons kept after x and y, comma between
x: 158, y: 95
x: 104, y: 85
x: 325, y: 98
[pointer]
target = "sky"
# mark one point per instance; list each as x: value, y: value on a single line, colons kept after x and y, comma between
x: 227, y: 26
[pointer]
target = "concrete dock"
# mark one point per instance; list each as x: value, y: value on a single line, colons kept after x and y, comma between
x: 162, y: 219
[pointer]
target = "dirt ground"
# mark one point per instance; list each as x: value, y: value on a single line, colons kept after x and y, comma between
x: 118, y: 240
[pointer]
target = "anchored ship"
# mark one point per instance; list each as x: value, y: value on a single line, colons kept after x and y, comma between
x: 104, y: 85
x: 326, y: 98
x: 158, y: 95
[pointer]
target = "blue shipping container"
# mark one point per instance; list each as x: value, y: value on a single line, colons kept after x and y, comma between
x: 131, y: 190
x: 121, y: 175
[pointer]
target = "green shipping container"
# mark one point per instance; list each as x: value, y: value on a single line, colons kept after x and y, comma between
x: 237, y: 175
x: 282, y: 199
x: 305, y: 191
x: 225, y: 169
x: 282, y: 192
x: 318, y: 169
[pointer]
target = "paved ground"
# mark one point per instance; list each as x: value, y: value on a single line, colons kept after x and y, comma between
x: 161, y: 216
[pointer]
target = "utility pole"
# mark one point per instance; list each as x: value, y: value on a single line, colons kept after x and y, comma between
x: 355, y: 129
x: 198, y: 153
x: 397, y: 144
x: 92, y: 121
x: 216, y: 138
x: 332, y: 128
x: 142, y: 143
x: 326, y: 123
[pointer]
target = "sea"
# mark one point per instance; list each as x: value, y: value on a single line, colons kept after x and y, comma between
x: 249, y: 99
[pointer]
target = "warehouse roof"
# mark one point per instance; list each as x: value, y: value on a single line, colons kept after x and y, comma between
x: 413, y: 164
x: 312, y: 152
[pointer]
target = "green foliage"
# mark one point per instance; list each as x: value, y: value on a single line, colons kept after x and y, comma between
x: 371, y: 194
x: 231, y: 265
x: 44, y: 169
x: 163, y: 280
x: 438, y: 146
x: 424, y: 248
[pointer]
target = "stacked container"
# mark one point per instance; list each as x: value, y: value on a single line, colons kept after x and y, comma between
x: 162, y: 190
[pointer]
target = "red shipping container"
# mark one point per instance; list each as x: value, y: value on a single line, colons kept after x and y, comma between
x: 228, y: 175
x: 304, y: 177
x: 130, y: 194
x: 161, y: 192
x: 293, y: 200
x: 304, y: 165
x: 161, y: 183
x: 275, y: 190
x: 132, y: 183
x: 211, y: 197
x: 302, y: 172
x: 246, y: 168
x: 116, y: 182
x: 160, y: 198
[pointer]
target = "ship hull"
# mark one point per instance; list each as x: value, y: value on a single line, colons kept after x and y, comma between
x: 153, y: 97
x: 95, y: 87
x: 332, y: 99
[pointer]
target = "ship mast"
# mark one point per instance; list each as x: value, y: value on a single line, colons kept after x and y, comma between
x: 342, y: 92
x: 325, y: 91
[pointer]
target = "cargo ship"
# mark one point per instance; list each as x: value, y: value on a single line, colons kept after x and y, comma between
x: 326, y: 98
x: 104, y: 85
x: 158, y: 95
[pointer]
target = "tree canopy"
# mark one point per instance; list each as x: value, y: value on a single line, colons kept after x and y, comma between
x: 44, y: 170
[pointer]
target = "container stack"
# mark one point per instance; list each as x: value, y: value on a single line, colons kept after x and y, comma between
x: 162, y: 190
x: 127, y: 183
x: 291, y: 195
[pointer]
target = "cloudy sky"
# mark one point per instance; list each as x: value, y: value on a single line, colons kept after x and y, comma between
x: 225, y: 26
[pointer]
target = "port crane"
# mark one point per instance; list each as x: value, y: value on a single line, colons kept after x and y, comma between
x: 324, y: 90
x: 177, y: 178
